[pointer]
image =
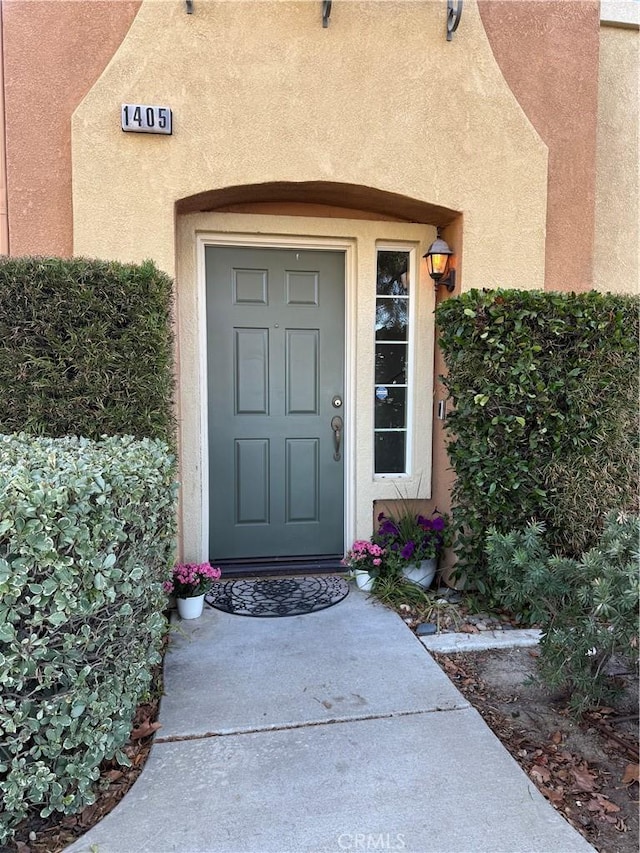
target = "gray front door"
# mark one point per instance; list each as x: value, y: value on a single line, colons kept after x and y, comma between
x: 275, y: 334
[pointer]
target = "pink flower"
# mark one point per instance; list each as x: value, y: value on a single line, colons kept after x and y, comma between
x: 190, y: 579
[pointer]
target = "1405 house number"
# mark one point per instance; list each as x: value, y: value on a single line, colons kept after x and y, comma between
x: 143, y: 118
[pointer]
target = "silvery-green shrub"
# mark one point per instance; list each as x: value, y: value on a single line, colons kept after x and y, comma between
x: 87, y: 532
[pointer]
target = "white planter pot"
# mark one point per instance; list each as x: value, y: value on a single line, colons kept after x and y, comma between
x: 190, y: 608
x: 422, y: 574
x: 364, y: 580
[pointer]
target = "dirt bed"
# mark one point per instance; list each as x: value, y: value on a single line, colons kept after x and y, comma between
x: 587, y: 769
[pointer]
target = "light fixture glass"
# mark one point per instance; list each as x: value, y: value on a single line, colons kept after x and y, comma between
x: 438, y: 258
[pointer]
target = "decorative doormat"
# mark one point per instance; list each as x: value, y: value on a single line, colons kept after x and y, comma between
x: 277, y: 596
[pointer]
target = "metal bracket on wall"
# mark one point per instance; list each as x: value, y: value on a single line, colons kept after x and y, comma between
x: 454, y: 13
x: 326, y: 12
x: 189, y: 6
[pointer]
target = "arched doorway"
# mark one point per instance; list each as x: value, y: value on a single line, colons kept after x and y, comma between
x: 251, y: 317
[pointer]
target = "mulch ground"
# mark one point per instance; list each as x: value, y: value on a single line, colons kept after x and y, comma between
x: 587, y: 768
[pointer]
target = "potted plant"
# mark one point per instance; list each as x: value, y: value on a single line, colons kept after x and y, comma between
x: 413, y: 544
x: 189, y: 583
x: 364, y: 558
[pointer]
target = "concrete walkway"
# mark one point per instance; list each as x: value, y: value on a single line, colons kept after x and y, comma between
x: 334, y: 731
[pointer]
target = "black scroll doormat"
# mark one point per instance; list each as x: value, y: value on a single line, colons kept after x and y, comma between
x: 284, y: 596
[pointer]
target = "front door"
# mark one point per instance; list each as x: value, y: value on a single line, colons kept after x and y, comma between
x: 275, y: 335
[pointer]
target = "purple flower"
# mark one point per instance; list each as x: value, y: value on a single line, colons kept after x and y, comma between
x: 407, y: 551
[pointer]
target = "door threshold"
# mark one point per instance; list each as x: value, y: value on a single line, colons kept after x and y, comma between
x: 278, y: 567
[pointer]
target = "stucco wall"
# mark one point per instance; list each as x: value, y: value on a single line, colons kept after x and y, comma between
x: 53, y: 53
x: 263, y: 93
x: 617, y: 241
x: 548, y: 52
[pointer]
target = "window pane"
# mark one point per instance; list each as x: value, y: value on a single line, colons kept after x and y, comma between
x: 392, y: 319
x: 389, y: 452
x: 390, y: 407
x: 391, y: 364
x: 392, y: 273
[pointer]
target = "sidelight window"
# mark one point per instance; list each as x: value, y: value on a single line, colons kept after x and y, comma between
x: 392, y: 361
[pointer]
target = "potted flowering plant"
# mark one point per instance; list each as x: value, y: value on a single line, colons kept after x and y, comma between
x: 365, y: 559
x: 189, y: 582
x: 413, y: 544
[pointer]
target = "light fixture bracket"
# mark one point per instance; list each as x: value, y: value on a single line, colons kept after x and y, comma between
x: 449, y: 281
x: 454, y: 13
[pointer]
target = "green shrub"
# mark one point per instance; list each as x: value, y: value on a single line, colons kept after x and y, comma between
x: 86, y: 348
x: 86, y: 538
x: 588, y: 608
x: 545, y: 423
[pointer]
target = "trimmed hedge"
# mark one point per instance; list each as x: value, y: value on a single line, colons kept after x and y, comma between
x: 87, y: 535
x: 86, y: 348
x: 545, y: 423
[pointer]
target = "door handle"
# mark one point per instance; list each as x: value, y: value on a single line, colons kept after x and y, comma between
x: 336, y: 426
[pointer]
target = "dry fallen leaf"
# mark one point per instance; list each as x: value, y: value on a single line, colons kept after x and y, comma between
x: 540, y: 773
x: 600, y: 803
x: 585, y: 778
x: 556, y: 737
x: 112, y: 775
x: 555, y: 796
x: 144, y: 730
x: 630, y: 774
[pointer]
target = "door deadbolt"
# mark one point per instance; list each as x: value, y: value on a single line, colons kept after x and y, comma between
x: 336, y: 402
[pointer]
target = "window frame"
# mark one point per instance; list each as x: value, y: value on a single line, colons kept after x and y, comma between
x: 413, y: 270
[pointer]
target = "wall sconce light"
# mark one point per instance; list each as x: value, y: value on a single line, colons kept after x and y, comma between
x: 438, y: 257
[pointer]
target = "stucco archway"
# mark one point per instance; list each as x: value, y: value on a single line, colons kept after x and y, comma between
x: 335, y: 199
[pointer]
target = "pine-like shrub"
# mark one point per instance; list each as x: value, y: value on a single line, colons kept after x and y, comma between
x: 86, y: 348
x: 588, y: 608
x: 87, y: 535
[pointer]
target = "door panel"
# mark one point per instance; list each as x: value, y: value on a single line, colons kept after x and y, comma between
x: 251, y: 371
x: 275, y: 334
x: 302, y: 371
x: 302, y: 480
x: 252, y: 481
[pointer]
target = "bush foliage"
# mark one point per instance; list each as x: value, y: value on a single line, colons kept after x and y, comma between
x: 86, y: 348
x: 545, y: 423
x: 588, y: 608
x: 86, y: 539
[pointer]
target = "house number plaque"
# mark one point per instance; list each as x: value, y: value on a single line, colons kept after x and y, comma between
x: 144, y: 118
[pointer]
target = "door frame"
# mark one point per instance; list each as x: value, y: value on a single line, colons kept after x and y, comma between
x: 272, y: 241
